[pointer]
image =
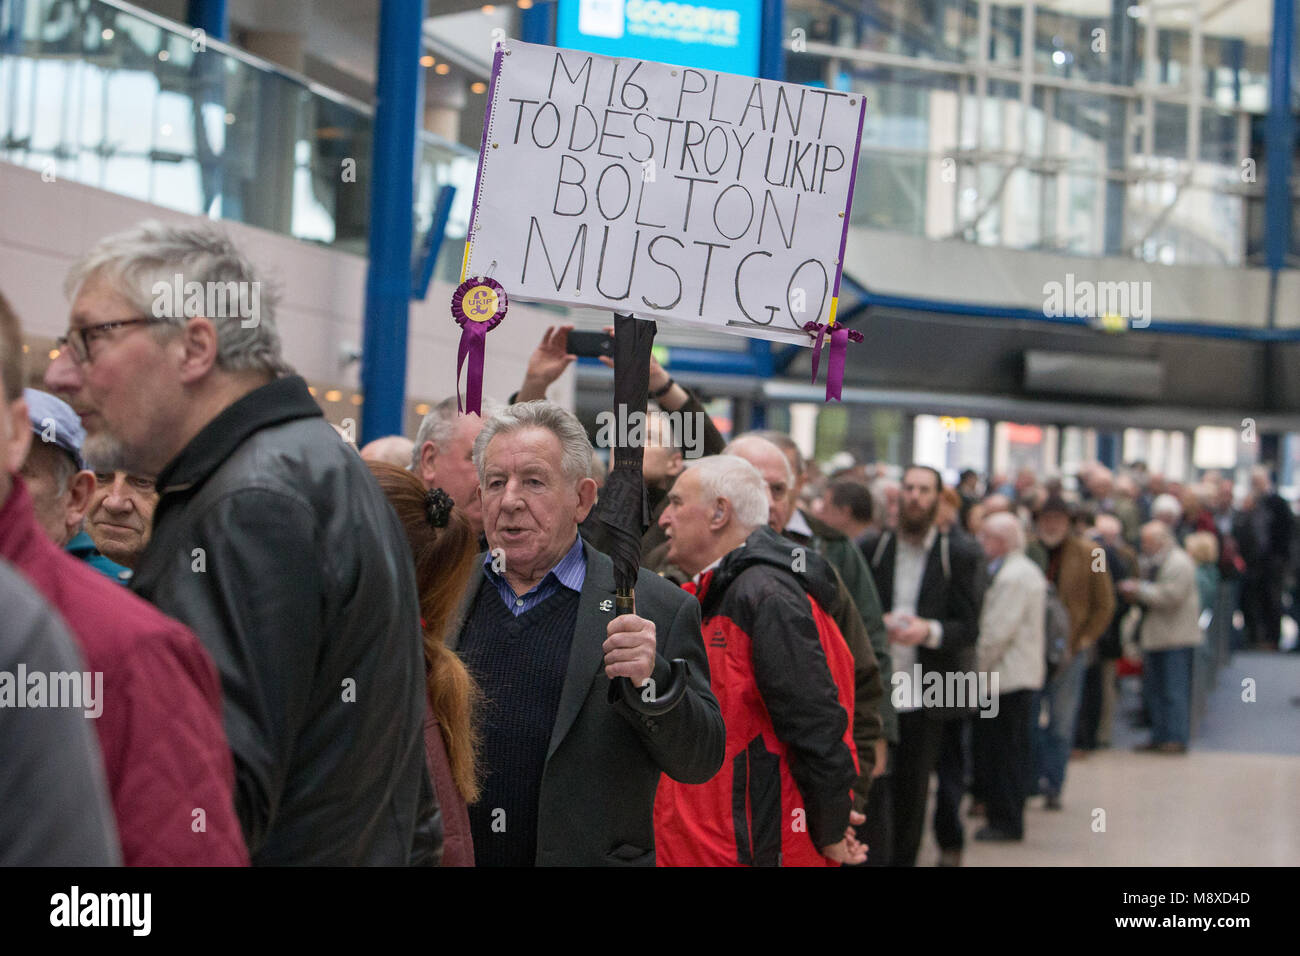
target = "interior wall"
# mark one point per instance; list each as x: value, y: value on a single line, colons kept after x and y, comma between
x: 47, y: 226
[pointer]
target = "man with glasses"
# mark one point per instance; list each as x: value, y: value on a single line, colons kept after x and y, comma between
x: 148, y: 687
x: 270, y: 540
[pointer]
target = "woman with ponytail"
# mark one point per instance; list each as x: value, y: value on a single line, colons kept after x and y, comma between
x: 442, y: 547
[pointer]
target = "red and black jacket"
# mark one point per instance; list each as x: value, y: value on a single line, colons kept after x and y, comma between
x: 783, y: 676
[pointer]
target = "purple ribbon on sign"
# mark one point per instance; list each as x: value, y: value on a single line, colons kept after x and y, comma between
x: 473, y: 334
x: 472, y: 338
x: 840, y: 338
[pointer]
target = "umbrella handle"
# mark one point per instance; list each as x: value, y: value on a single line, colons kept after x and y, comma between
x: 625, y: 603
x: 662, y: 703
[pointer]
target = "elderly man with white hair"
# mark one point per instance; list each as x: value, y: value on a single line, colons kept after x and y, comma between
x: 784, y: 678
x: 1010, y: 647
x: 271, y: 541
x: 571, y: 764
x: 1170, y: 629
x: 1168, y: 509
x: 442, y: 455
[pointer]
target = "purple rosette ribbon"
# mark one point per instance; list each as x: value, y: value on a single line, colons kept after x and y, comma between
x: 840, y: 338
x: 478, y: 305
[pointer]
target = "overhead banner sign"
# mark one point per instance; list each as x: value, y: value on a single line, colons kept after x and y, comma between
x: 718, y: 34
x: 667, y: 192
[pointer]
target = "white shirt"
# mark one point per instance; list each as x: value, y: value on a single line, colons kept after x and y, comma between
x: 798, y: 524
x: 909, y: 570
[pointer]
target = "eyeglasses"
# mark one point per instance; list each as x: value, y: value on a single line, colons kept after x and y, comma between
x: 80, y: 340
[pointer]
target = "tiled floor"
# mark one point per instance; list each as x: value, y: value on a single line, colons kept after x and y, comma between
x: 1234, y: 800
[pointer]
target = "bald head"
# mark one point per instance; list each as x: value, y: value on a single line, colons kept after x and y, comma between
x: 1156, y: 536
x: 995, y: 504
x: 393, y: 449
x: 775, y: 468
x: 1109, y: 527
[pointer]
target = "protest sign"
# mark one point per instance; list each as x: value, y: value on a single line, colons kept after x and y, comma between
x: 665, y: 192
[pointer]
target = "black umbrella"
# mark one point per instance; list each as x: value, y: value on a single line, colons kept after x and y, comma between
x: 624, y: 507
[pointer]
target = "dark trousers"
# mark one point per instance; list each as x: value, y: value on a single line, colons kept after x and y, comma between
x: 1261, y: 604
x: 953, y: 768
x: 1003, y: 751
x: 1085, y: 731
x: 878, y: 831
x: 919, y: 737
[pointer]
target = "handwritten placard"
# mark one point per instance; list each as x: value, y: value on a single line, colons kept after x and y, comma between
x: 667, y: 192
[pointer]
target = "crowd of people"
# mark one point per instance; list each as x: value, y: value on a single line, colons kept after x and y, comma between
x: 415, y: 653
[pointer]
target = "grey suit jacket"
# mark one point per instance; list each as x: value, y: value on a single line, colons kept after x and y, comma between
x: 596, y: 806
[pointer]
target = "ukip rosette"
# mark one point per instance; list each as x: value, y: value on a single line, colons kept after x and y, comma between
x: 478, y: 305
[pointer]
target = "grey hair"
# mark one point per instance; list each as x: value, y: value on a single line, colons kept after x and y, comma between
x: 1008, y: 529
x: 152, y: 255
x: 439, y: 426
x: 575, y: 446
x: 790, y: 476
x: 735, y: 479
x: 1167, y: 504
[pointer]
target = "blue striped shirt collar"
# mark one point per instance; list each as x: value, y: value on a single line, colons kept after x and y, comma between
x: 570, y: 572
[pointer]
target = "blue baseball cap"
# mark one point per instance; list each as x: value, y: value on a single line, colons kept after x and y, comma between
x: 54, y: 421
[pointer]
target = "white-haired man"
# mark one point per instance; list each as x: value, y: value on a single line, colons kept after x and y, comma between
x: 394, y: 449
x: 570, y: 777
x: 1170, y: 629
x: 783, y: 675
x: 443, y: 455
x: 1263, y: 531
x: 1010, y: 645
x: 270, y: 540
x: 855, y: 607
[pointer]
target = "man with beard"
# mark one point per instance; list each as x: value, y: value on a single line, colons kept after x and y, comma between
x: 929, y: 586
x: 1084, y: 586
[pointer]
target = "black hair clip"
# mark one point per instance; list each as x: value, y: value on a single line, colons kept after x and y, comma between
x: 437, y: 507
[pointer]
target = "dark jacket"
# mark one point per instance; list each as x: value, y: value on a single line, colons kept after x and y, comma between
x: 159, y: 730
x: 273, y: 542
x: 605, y: 759
x: 848, y: 560
x: 1271, y: 550
x: 784, y: 678
x: 951, y: 595
x: 52, y: 788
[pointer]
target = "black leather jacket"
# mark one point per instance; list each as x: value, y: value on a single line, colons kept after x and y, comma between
x: 274, y: 544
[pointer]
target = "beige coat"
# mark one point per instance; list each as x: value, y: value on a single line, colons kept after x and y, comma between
x: 1011, y: 625
x: 1172, y: 607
